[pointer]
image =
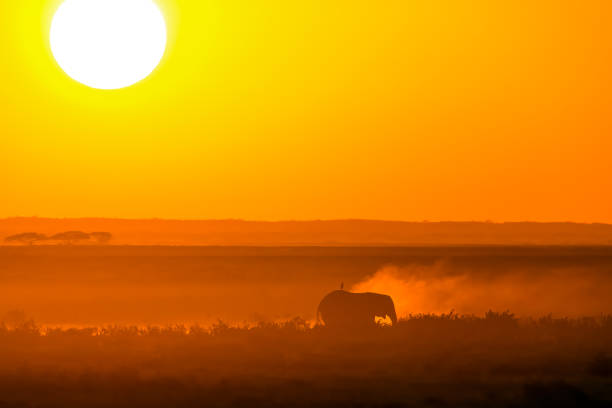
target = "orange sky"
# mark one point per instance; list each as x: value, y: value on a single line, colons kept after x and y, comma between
x: 407, y: 110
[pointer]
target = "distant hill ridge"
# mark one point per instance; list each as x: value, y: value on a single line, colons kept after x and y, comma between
x: 332, y: 232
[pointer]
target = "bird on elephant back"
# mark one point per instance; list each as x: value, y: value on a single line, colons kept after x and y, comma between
x: 347, y: 310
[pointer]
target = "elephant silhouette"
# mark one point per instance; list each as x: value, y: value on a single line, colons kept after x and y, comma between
x: 342, y: 309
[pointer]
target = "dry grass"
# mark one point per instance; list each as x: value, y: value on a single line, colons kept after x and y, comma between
x: 425, y: 360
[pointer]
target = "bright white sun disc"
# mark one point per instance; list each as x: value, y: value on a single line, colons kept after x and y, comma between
x: 108, y: 44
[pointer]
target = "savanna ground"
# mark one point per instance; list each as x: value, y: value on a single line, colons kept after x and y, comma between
x: 138, y: 326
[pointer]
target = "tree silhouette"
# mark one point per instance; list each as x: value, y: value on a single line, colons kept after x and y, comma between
x: 101, y: 237
x: 26, y: 238
x: 71, y: 237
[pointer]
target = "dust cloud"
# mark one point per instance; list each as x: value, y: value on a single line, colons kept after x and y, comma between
x: 441, y: 288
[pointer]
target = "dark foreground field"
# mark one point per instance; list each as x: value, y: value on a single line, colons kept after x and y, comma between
x: 428, y: 360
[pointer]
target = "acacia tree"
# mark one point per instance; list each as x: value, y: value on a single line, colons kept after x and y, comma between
x: 101, y: 237
x: 70, y: 237
x: 28, y: 238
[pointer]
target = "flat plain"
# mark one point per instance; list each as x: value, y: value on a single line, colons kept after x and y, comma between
x: 234, y: 326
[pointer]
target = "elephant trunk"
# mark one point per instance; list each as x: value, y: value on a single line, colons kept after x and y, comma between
x: 391, y: 313
x: 393, y: 316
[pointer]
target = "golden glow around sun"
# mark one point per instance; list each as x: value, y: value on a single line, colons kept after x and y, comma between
x: 309, y: 110
x: 108, y: 44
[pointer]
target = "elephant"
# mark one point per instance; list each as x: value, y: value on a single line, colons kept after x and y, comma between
x: 342, y: 309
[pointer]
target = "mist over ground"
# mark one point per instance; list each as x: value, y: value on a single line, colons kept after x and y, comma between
x: 63, y: 285
x: 528, y: 291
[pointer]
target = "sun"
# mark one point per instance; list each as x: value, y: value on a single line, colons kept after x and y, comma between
x: 108, y: 44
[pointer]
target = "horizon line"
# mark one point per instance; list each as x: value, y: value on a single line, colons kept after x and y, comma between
x: 298, y: 220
